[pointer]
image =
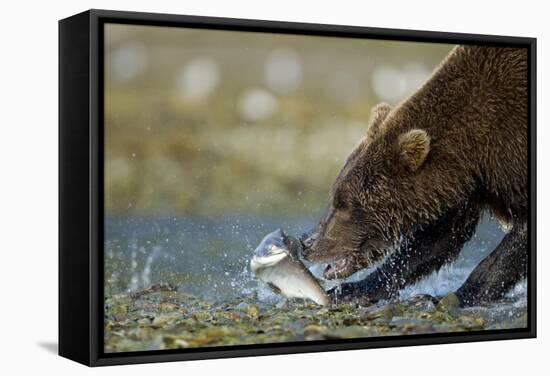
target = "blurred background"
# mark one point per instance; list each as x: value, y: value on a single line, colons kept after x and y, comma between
x: 206, y: 122
x: 215, y: 138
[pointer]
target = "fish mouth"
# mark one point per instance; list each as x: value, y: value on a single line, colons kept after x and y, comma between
x: 259, y: 262
x: 341, y: 268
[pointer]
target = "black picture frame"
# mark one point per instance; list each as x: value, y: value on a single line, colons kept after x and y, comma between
x: 81, y: 182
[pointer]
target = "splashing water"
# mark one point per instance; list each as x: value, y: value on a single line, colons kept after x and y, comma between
x: 209, y: 257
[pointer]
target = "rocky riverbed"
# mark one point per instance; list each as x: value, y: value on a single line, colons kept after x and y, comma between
x: 163, y: 318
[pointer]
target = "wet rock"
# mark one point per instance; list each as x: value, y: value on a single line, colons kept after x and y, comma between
x: 145, y: 321
x: 348, y: 332
x: 248, y: 308
x: 321, y: 311
x: 252, y: 310
x: 472, y: 322
x: 344, y: 307
x: 163, y: 321
x: 314, y: 332
x: 449, y: 304
x: 410, y: 325
x: 301, y: 323
x: 172, y: 342
x: 351, y: 320
x: 382, y: 313
x: 168, y: 307
x: 108, y: 326
x: 202, y: 316
x: 233, y: 316
x: 448, y: 327
x: 421, y: 303
x: 183, y: 296
x: 121, y: 317
x: 212, y: 335
x: 155, y: 344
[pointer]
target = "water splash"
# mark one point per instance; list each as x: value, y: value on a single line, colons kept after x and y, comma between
x: 209, y: 257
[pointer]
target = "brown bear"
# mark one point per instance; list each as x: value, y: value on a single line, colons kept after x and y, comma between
x: 412, y: 191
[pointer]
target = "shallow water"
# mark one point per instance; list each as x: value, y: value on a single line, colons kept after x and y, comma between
x: 214, y: 300
x: 209, y: 257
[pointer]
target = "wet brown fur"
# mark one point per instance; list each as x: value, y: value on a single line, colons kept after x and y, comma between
x: 462, y: 135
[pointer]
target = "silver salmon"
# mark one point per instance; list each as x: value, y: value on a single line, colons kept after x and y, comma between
x: 276, y: 262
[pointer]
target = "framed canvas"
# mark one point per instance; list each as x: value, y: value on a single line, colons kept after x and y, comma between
x: 235, y: 187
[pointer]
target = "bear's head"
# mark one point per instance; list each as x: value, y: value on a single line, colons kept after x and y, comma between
x: 368, y: 201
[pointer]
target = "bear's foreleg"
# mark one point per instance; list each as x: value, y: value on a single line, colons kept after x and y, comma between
x: 499, y: 271
x: 429, y: 249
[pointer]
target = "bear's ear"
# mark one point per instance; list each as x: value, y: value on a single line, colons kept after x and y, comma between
x: 377, y: 116
x: 413, y: 148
